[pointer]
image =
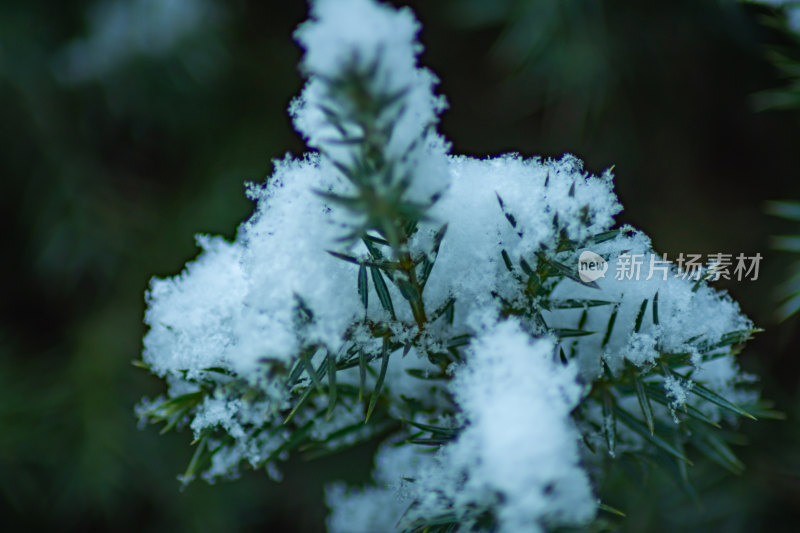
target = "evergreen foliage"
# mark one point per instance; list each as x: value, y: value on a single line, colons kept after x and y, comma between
x: 386, y: 289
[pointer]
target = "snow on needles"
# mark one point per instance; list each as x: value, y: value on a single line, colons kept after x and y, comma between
x: 518, y: 452
x: 520, y: 444
x: 364, y: 36
x: 291, y: 333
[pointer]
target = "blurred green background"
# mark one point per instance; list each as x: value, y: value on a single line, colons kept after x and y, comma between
x: 128, y: 126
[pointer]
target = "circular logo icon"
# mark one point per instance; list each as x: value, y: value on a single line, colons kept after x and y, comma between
x: 591, y: 266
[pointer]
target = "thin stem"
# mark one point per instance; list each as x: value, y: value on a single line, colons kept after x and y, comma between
x: 417, y: 306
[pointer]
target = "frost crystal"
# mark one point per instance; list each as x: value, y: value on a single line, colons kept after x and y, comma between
x: 438, y: 299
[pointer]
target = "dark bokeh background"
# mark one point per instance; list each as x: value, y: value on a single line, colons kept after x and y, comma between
x: 106, y: 177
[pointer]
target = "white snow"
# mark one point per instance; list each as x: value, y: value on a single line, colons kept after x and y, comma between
x: 258, y: 302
